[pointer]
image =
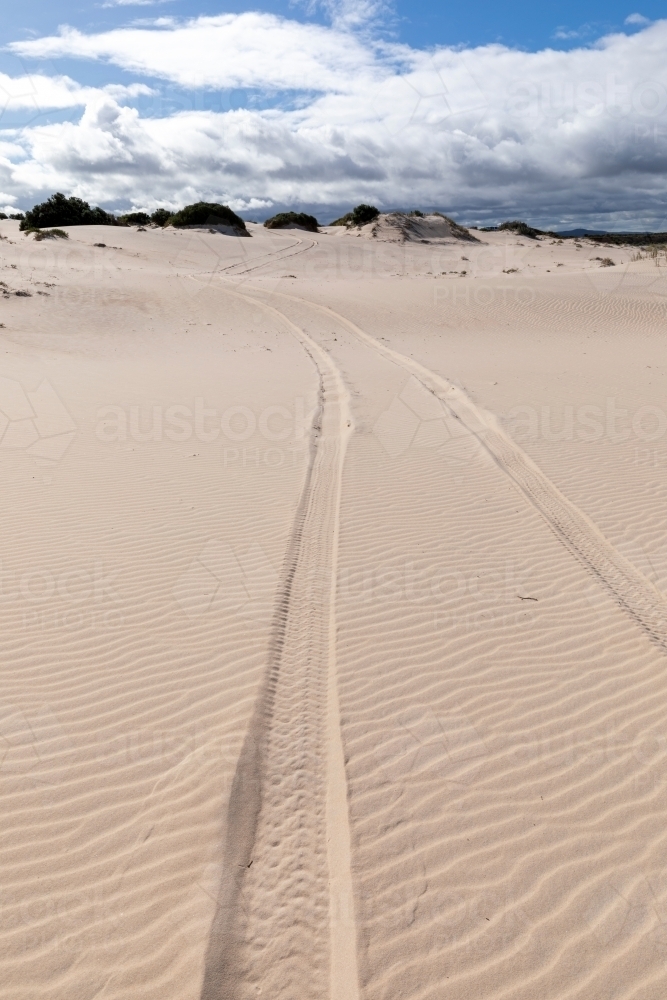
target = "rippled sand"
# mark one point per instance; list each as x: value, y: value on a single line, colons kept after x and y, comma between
x: 332, y: 619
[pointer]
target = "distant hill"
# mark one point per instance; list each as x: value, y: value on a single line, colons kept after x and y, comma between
x: 580, y: 232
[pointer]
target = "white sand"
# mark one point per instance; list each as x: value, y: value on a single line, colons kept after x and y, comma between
x: 332, y: 618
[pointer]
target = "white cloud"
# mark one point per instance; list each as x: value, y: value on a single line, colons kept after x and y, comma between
x: 230, y: 50
x: 350, y: 14
x: 567, y: 34
x: 637, y: 19
x: 40, y: 93
x: 550, y: 134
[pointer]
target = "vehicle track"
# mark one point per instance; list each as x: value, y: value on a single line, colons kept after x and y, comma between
x: 273, y: 256
x: 285, y: 917
x: 631, y: 590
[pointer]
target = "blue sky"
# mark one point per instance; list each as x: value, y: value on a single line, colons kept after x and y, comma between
x: 530, y: 25
x: 552, y: 111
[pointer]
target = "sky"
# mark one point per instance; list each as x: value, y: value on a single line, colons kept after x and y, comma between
x: 553, y: 112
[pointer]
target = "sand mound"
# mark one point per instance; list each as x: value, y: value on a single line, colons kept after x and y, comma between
x: 397, y: 227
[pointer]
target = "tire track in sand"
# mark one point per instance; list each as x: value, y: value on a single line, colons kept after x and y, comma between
x: 631, y: 590
x: 273, y: 255
x: 285, y: 919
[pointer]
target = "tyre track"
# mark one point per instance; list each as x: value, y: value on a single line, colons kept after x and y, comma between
x: 631, y: 590
x: 284, y: 918
x: 273, y: 255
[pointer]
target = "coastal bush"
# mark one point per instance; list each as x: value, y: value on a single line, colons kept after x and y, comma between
x: 205, y: 213
x: 61, y: 211
x: 2, y: 215
x: 363, y: 214
x: 160, y: 216
x: 283, y: 220
x: 134, y: 219
x: 18, y: 216
x: 359, y: 216
x: 520, y: 228
x: 49, y: 234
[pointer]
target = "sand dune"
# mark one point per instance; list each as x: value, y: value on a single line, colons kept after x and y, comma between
x: 399, y: 227
x: 333, y: 616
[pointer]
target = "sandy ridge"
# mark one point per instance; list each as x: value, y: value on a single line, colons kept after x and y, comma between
x: 273, y: 924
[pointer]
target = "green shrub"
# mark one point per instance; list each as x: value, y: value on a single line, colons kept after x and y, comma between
x: 2, y: 215
x: 345, y: 220
x: 19, y: 216
x: 49, y: 234
x: 283, y: 220
x: 363, y: 214
x: 61, y: 211
x: 134, y: 219
x: 359, y: 216
x: 160, y: 216
x: 521, y: 229
x: 205, y: 213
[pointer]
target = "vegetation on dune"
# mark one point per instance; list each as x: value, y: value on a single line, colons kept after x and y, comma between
x: 359, y: 216
x: 134, y: 219
x: 2, y: 215
x: 283, y: 220
x: 50, y: 234
x: 160, y: 216
x: 205, y: 213
x: 521, y: 229
x: 61, y: 211
x: 628, y: 239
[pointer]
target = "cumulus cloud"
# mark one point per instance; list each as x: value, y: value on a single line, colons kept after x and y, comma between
x: 483, y: 132
x: 41, y: 93
x: 637, y: 19
x: 230, y: 50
